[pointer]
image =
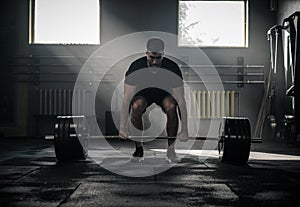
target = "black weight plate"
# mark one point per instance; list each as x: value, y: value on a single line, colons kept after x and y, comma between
x: 82, y: 140
x: 80, y: 151
x: 66, y: 142
x: 237, y: 140
x: 58, y: 137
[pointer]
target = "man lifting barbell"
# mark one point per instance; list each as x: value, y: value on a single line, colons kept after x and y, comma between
x: 137, y: 98
x: 71, y: 133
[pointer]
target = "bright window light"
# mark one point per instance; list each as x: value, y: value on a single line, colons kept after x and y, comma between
x: 65, y: 22
x: 212, y: 24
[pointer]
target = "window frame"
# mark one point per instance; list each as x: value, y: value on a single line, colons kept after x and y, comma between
x: 246, y: 26
x: 32, y: 17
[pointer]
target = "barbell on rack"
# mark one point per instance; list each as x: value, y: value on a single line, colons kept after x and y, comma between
x: 71, y: 139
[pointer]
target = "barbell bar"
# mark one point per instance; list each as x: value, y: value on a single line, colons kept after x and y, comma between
x: 148, y: 137
x: 253, y: 140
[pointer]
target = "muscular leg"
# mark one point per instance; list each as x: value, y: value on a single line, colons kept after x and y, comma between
x: 170, y: 107
x: 137, y: 108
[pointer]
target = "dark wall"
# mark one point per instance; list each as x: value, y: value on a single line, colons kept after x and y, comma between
x: 123, y: 17
x: 7, y: 38
x: 14, y: 36
x: 286, y: 8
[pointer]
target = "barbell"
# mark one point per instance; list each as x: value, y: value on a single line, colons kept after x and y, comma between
x: 71, y: 139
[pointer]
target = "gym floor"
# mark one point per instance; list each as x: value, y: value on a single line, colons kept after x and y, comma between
x: 30, y: 176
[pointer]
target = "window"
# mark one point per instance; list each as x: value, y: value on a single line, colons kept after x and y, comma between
x: 213, y: 23
x: 64, y: 22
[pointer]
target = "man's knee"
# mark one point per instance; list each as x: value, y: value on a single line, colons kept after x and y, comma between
x: 170, y: 106
x: 171, y: 109
x: 138, y: 106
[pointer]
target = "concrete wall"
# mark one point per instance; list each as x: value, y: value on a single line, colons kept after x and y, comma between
x: 119, y: 18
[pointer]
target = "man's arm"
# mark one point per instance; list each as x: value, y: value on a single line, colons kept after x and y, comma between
x: 178, y: 94
x: 129, y: 92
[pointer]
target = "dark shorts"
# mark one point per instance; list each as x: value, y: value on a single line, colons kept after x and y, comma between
x: 153, y: 96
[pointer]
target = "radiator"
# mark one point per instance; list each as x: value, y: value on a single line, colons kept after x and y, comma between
x: 58, y: 101
x: 214, y: 104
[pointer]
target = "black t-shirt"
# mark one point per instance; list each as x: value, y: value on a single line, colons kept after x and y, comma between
x: 150, y: 80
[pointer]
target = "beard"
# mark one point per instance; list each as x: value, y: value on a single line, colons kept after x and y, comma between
x: 155, y: 65
x: 154, y: 69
